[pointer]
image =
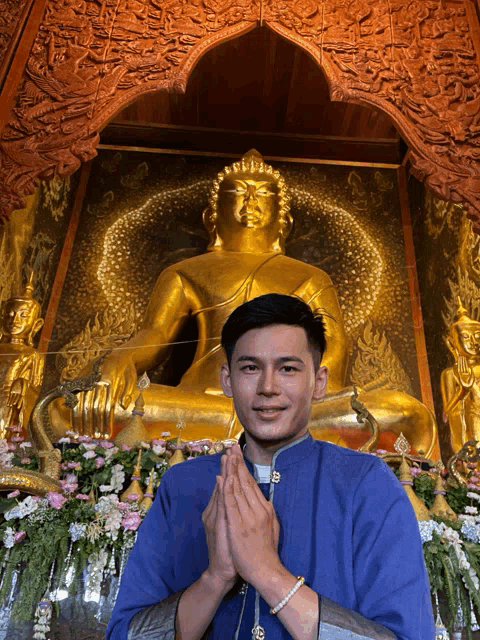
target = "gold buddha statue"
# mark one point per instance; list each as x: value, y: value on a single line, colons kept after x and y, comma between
x: 21, y: 365
x: 461, y: 383
x: 248, y: 220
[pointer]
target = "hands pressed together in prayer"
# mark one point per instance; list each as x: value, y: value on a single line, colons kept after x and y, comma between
x: 241, y: 526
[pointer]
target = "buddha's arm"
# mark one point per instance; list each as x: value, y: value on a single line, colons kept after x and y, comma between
x: 452, y: 391
x: 166, y: 314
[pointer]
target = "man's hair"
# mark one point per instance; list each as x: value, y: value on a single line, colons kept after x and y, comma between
x: 270, y: 309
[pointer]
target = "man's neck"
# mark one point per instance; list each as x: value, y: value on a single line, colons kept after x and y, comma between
x: 262, y: 453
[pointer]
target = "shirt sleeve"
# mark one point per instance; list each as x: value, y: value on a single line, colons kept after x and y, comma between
x: 390, y: 578
x: 149, y: 572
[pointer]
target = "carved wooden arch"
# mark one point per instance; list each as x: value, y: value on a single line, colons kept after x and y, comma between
x: 417, y: 60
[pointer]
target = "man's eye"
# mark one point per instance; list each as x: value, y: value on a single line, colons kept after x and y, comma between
x: 288, y: 369
x: 249, y: 367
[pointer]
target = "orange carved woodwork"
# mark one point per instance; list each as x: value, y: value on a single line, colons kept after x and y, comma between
x: 417, y: 60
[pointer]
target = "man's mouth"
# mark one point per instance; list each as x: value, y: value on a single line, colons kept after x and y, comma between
x: 269, y: 412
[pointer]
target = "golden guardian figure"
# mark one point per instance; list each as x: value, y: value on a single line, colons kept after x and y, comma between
x: 21, y: 365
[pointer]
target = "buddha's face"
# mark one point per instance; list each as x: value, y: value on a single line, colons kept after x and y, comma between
x: 249, y: 201
x: 20, y: 318
x: 466, y: 339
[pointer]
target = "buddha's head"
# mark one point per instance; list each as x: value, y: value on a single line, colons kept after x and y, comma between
x: 249, y: 199
x: 464, y: 336
x: 21, y: 320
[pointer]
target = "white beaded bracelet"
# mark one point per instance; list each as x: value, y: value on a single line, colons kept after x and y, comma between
x: 281, y: 604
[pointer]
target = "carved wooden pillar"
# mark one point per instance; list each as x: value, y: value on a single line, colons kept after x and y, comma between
x: 417, y: 60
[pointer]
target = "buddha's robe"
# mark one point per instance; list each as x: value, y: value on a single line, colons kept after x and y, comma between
x: 346, y: 525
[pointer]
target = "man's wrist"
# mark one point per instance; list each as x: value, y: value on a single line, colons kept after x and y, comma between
x: 215, y: 585
x: 273, y: 582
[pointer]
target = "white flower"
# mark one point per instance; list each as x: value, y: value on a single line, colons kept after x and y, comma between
x: 64, y: 441
x: 158, y: 449
x: 112, y: 523
x: 109, y: 453
x: 145, y: 445
x: 473, y: 495
x: 3, y: 445
x: 106, y: 504
x: 89, y: 454
x: 6, y: 460
x: 24, y: 508
x: 77, y: 531
x: 116, y: 482
x: 472, y: 510
x: 90, y: 446
x: 9, y: 537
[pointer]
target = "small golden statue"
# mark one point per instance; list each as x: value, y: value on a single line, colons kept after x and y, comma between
x: 461, y: 383
x: 248, y: 220
x: 21, y: 365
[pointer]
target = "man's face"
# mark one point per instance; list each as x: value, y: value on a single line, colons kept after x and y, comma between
x: 273, y: 382
x: 19, y: 318
x: 250, y: 201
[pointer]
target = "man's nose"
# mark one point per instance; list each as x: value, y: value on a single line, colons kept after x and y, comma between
x: 267, y: 384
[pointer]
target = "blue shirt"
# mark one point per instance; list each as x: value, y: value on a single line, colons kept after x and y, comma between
x: 346, y: 525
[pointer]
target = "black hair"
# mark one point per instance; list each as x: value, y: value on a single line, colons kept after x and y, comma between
x: 275, y: 308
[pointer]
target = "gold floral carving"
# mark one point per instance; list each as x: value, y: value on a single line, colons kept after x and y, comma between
x: 377, y: 366
x: 107, y: 330
x: 417, y: 60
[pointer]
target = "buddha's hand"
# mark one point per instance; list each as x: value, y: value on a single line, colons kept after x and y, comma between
x: 464, y: 373
x: 17, y: 393
x: 253, y: 527
x: 221, y: 568
x: 119, y: 374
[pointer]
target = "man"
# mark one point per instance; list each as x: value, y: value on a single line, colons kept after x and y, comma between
x: 326, y: 545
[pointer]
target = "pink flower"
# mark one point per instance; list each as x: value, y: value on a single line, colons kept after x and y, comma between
x: 190, y: 457
x: 415, y: 471
x: 158, y: 443
x: 19, y: 536
x: 70, y: 484
x: 16, y: 429
x: 84, y: 439
x: 472, y: 486
x: 26, y: 445
x: 14, y: 494
x: 11, y: 446
x: 82, y: 496
x: 133, y: 497
x: 71, y: 465
x: 122, y: 506
x: 99, y: 462
x: 25, y: 460
x: 106, y: 444
x: 17, y: 439
x: 131, y: 521
x: 56, y: 500
x: 125, y: 447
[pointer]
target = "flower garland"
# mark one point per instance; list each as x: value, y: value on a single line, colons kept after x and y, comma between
x: 88, y: 529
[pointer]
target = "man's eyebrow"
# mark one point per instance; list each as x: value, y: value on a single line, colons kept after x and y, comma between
x: 281, y: 359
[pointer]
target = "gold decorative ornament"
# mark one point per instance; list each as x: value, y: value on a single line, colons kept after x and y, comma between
x: 470, y: 452
x: 135, y: 432
x: 461, y: 382
x: 135, y: 488
x: 21, y: 365
x: 147, y: 501
x: 248, y: 221
x: 440, y: 506
x: 178, y: 454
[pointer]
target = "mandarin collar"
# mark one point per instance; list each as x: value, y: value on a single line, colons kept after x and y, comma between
x: 288, y: 455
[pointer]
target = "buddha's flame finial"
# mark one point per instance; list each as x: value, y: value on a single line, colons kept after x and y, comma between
x: 30, y: 286
x: 461, y: 315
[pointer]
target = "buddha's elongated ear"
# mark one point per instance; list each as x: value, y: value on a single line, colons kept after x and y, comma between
x: 37, y: 325
x: 452, y: 347
x: 287, y: 226
x: 208, y: 218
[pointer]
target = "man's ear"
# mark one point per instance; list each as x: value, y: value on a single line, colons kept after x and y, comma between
x: 226, y: 381
x: 321, y: 382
